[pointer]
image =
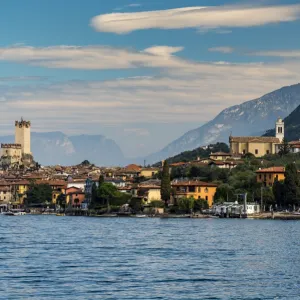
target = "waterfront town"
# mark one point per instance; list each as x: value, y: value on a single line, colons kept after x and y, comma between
x: 252, y: 176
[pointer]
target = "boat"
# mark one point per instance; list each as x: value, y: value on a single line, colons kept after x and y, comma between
x: 14, y: 213
x: 7, y: 213
x: 141, y: 216
x: 60, y: 215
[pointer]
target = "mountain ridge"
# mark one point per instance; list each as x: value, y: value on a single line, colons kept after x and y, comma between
x: 55, y: 147
x: 259, y: 114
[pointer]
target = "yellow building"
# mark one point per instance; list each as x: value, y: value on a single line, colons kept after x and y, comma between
x: 149, y: 190
x: 148, y: 172
x: 19, y: 189
x: 258, y: 145
x: 195, y: 189
x: 220, y: 156
x: 268, y: 176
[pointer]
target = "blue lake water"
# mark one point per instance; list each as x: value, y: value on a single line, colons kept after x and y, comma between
x: 49, y: 257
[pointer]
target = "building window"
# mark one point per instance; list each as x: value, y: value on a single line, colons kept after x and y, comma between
x: 199, y: 189
x: 279, y: 129
x: 191, y: 189
x: 206, y: 198
x: 268, y: 152
x: 259, y: 176
x: 206, y: 190
x: 256, y: 151
x: 244, y: 151
x: 270, y: 176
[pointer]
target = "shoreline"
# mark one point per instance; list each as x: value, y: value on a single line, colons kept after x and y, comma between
x: 263, y: 216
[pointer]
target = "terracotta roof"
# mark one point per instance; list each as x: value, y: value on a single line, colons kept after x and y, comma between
x: 253, y: 139
x: 272, y: 170
x: 295, y: 144
x: 133, y: 167
x: 193, y: 183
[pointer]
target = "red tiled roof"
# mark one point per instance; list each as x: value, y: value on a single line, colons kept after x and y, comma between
x: 133, y: 167
x: 254, y: 139
x: 194, y: 183
x: 272, y: 170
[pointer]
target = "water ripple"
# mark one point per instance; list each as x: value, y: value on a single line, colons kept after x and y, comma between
x: 49, y: 257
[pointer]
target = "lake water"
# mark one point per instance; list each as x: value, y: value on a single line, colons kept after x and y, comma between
x: 49, y: 257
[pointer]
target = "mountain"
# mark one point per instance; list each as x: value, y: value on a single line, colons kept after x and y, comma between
x: 51, y: 148
x: 291, y: 126
x: 249, y: 118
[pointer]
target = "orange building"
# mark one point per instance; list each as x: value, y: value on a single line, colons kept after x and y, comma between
x: 196, y: 189
x: 267, y: 176
x: 74, y: 197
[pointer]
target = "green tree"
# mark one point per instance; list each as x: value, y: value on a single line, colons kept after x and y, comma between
x: 224, y: 192
x: 106, y: 192
x: 200, y: 204
x: 94, y: 199
x: 291, y: 184
x: 165, y: 184
x: 61, y: 201
x: 100, y: 180
x: 278, y: 192
x: 39, y: 194
x: 186, y: 205
x: 284, y: 148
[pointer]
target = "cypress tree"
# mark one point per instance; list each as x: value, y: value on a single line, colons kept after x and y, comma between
x: 291, y: 184
x: 101, y: 180
x: 284, y: 148
x: 278, y: 192
x: 165, y: 189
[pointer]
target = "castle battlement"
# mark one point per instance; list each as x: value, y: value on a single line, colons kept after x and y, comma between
x: 11, y: 146
x: 22, y: 123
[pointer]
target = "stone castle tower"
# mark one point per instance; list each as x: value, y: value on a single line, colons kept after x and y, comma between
x: 280, y: 129
x: 22, y: 135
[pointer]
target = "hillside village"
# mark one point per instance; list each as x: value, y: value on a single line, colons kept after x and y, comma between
x: 263, y: 168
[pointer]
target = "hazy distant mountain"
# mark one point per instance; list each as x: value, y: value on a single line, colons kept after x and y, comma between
x: 51, y: 148
x: 291, y: 126
x: 249, y: 118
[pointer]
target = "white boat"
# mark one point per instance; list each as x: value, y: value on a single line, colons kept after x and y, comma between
x: 14, y: 213
x: 141, y: 216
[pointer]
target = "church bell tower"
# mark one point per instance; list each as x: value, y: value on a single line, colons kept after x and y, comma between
x: 280, y: 129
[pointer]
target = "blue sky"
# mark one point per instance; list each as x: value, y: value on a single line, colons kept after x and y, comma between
x: 140, y: 72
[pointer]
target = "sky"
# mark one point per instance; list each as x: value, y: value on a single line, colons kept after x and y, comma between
x: 141, y: 72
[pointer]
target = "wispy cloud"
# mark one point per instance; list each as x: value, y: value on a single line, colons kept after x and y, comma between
x: 163, y: 50
x: 92, y: 58
x: 196, y: 17
x: 223, y: 49
x: 23, y: 78
x: 278, y: 53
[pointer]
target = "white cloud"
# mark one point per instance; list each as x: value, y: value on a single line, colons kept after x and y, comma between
x: 223, y: 49
x: 279, y: 53
x: 196, y: 17
x: 163, y: 50
x: 92, y: 57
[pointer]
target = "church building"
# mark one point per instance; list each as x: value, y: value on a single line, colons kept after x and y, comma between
x: 258, y: 145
